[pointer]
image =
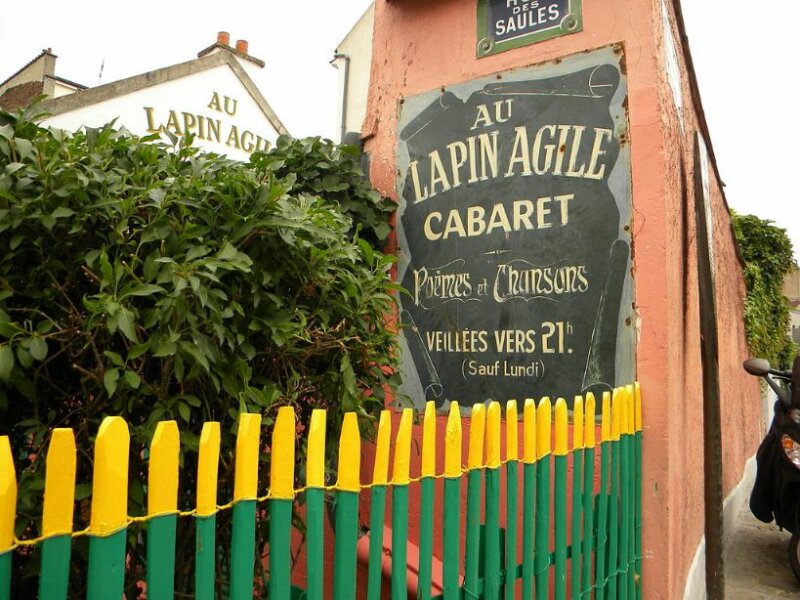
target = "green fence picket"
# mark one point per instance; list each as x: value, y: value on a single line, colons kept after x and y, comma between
x: 529, y: 479
x: 492, y: 552
x: 243, y: 550
x: 528, y: 497
x: 613, y: 504
x: 588, y: 496
x: 630, y: 482
x: 512, y: 482
x: 492, y: 548
x: 400, y: 481
x: 512, y: 528
x: 451, y: 506
x: 576, y: 537
x: 451, y: 526
x: 54, y: 576
x: 542, y: 552
x: 427, y: 474
x: 425, y: 538
x: 315, y: 543
x: 472, y: 552
x: 205, y: 560
x: 161, y: 557
x: 577, y: 529
x: 348, y: 487
x: 626, y: 504
x: 106, y: 573
x: 345, y: 540
x: 543, y: 450
x: 637, y: 524
x: 399, y: 540
x: 5, y: 575
x: 280, y: 551
x: 602, y: 500
x: 560, y: 501
x: 624, y: 528
x: 376, y: 520
x: 475, y: 464
x: 632, y: 520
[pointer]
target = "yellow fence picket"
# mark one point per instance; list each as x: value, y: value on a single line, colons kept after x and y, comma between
x: 8, y: 495
x: 59, y: 487
x: 59, y: 504
x: 109, y: 514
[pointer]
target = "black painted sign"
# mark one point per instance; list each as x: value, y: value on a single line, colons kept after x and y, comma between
x: 513, y: 234
x: 506, y: 24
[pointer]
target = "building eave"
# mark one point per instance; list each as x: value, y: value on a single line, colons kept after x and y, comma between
x: 88, y: 97
x: 26, y: 65
x: 67, y: 82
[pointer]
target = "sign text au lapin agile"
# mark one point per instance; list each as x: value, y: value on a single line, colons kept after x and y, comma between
x: 210, y: 127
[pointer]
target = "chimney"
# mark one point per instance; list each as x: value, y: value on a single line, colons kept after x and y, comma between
x: 241, y: 47
x: 224, y: 38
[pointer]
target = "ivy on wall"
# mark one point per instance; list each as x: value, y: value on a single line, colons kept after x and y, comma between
x: 767, y: 252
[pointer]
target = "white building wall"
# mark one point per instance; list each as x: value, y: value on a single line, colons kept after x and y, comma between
x: 59, y: 89
x: 353, y: 59
x: 212, y: 104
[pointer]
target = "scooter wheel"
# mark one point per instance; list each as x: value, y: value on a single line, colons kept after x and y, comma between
x: 794, y: 555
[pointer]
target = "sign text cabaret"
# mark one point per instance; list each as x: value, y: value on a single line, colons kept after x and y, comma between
x: 556, y: 149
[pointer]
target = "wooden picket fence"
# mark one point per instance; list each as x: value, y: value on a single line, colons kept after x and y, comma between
x: 602, y: 519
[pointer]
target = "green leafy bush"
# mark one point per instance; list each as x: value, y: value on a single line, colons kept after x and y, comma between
x: 767, y: 253
x: 162, y: 283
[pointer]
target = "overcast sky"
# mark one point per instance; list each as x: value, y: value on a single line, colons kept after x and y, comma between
x: 296, y: 39
x: 746, y: 71
x: 744, y: 65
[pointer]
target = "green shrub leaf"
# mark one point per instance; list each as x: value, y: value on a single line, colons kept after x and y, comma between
x: 125, y: 322
x: 143, y: 290
x: 132, y: 379
x: 38, y: 348
x: 110, y: 379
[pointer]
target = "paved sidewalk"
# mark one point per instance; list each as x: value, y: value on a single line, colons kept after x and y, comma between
x: 757, y: 562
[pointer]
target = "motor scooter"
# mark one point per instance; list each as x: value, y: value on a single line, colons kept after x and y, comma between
x: 776, y: 491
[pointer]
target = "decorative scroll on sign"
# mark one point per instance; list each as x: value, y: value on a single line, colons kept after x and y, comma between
x: 514, y: 236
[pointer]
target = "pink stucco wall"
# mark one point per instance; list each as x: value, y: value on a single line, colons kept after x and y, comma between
x: 420, y: 45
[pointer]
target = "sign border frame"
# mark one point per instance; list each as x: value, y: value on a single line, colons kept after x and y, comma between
x: 625, y: 362
x: 485, y: 46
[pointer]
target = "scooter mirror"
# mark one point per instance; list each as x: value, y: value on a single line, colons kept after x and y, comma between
x: 757, y: 366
